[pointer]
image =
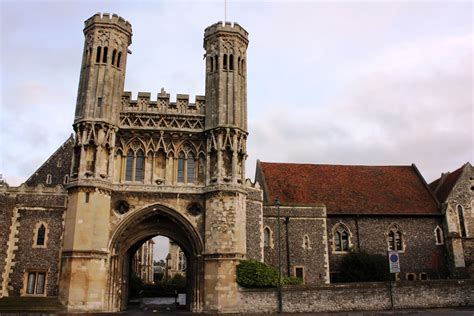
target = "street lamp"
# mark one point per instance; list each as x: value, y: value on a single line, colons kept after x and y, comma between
x: 280, y: 305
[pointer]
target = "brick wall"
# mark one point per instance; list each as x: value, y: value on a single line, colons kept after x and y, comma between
x: 420, y: 254
x: 360, y: 296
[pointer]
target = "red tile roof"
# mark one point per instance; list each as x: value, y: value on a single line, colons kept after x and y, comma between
x: 443, y: 186
x: 381, y: 190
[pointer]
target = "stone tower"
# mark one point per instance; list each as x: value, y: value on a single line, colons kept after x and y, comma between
x: 226, y: 133
x: 85, y: 246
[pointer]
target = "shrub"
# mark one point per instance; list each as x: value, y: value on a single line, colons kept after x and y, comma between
x: 292, y: 281
x: 364, y: 267
x: 252, y: 274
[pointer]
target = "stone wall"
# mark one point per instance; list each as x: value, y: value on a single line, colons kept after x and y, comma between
x: 30, y: 258
x: 468, y: 246
x: 254, y: 224
x: 298, y: 223
x: 58, y: 166
x: 6, y: 211
x: 359, y: 296
x: 420, y: 253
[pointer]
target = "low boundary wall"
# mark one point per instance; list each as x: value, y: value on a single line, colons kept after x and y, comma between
x: 359, y: 296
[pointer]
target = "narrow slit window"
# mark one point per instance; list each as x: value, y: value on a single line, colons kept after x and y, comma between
x: 190, y: 168
x: 231, y: 62
x: 129, y: 166
x: 216, y: 62
x: 97, y: 57
x: 114, y: 54
x: 212, y: 63
x: 462, y: 226
x: 104, y: 58
x: 41, y: 235
x: 181, y: 168
x: 224, y: 62
x: 139, y: 167
x: 119, y: 57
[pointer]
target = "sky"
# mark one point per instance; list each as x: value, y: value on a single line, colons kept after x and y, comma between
x: 330, y: 82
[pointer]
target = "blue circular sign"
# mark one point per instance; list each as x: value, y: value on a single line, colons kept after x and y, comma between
x: 393, y: 258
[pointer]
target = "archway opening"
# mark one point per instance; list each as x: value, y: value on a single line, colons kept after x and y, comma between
x: 158, y: 278
x: 135, y: 232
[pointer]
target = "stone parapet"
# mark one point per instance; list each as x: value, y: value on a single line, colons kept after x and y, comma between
x: 105, y: 19
x: 144, y: 103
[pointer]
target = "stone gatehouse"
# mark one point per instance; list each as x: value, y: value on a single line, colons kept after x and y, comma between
x: 135, y: 169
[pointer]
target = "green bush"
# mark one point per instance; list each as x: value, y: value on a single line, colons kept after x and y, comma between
x: 292, y: 281
x: 364, y: 267
x: 255, y: 274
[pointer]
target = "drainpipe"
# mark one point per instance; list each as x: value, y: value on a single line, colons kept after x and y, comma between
x: 358, y: 236
x: 288, y: 263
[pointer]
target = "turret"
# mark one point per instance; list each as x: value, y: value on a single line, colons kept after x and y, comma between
x: 226, y: 84
x: 103, y: 67
x: 101, y: 86
x: 226, y: 102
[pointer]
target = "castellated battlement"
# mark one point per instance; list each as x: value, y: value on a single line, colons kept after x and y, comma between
x: 162, y: 104
x: 227, y: 27
x: 106, y: 18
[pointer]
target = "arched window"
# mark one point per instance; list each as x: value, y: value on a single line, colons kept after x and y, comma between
x: 59, y: 163
x: 104, y: 57
x: 181, y: 168
x: 190, y: 168
x: 395, y: 238
x: 439, y: 235
x: 224, y: 62
x: 139, y: 166
x: 242, y: 68
x: 114, y: 53
x: 306, y: 244
x: 231, y: 62
x: 216, y: 62
x: 40, y: 238
x: 129, y: 166
x: 66, y: 179
x: 48, y: 179
x: 238, y: 65
x: 119, y: 57
x: 462, y: 226
x: 97, y: 57
x: 267, y: 237
x: 341, y: 237
x: 212, y: 64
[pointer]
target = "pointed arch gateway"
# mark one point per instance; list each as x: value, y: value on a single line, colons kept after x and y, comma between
x: 140, y: 226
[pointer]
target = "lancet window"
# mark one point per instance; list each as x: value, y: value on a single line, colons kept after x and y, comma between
x: 135, y: 166
x: 395, y: 238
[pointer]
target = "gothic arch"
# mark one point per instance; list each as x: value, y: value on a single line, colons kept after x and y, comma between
x: 141, y: 225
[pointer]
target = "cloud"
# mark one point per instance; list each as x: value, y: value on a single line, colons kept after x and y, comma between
x: 412, y: 103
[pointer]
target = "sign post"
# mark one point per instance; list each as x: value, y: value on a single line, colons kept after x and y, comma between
x: 394, y: 264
